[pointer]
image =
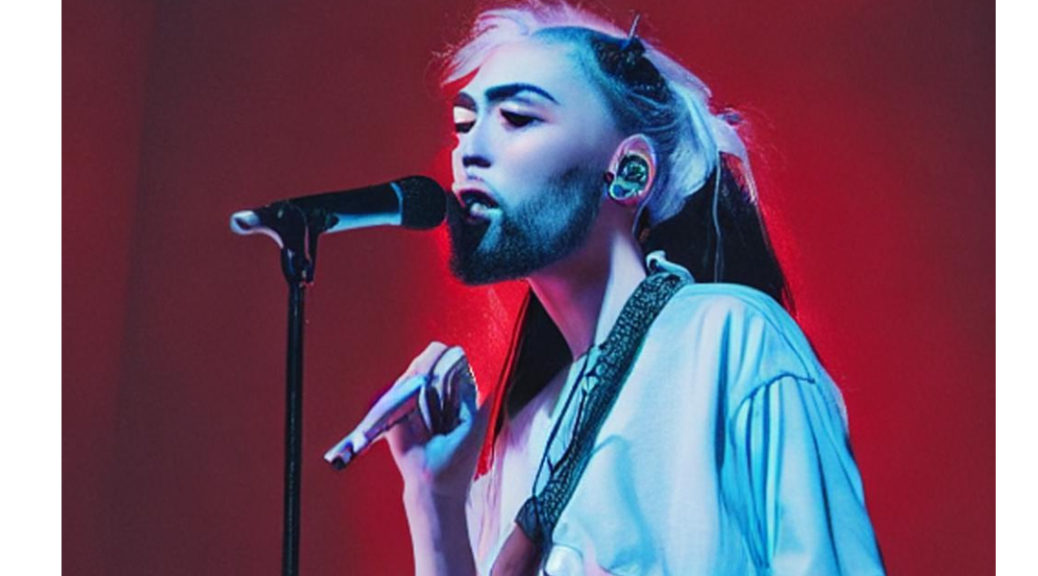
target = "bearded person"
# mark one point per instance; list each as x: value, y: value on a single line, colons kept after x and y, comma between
x: 660, y: 411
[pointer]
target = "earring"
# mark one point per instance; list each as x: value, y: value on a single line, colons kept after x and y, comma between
x: 630, y: 178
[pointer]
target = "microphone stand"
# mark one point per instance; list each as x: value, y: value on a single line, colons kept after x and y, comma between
x: 415, y: 202
x: 297, y: 231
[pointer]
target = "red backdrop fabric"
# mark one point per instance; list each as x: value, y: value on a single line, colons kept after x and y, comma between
x: 872, y: 126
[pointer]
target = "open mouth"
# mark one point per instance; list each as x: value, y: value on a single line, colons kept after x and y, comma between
x: 478, y: 205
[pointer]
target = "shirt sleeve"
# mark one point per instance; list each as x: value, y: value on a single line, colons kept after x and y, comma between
x: 798, y: 491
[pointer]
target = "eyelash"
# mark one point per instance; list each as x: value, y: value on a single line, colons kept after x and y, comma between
x: 514, y: 119
x: 517, y: 120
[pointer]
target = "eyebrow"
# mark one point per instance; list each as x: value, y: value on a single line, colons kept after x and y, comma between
x: 503, y: 92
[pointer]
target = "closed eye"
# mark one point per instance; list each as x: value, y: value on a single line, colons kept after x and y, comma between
x: 517, y: 120
x: 464, y: 119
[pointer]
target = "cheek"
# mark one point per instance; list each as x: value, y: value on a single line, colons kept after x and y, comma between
x: 547, y: 158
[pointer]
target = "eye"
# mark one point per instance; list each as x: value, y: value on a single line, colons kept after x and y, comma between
x: 464, y: 119
x: 516, y: 119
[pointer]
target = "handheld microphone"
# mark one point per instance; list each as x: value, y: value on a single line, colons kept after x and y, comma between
x: 415, y: 202
x: 396, y: 404
x: 407, y: 398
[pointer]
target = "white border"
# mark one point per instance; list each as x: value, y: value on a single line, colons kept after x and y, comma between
x: 30, y: 148
x: 1015, y: 92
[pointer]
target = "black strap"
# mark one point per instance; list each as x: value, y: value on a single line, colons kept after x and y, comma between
x: 540, y: 512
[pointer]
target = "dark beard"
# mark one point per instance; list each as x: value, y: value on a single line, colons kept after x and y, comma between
x: 532, y: 235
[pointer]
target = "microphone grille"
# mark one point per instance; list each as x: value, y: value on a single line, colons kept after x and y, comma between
x: 423, y: 202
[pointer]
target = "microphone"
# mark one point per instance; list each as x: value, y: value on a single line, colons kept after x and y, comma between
x: 409, y: 397
x: 415, y: 202
x: 397, y: 403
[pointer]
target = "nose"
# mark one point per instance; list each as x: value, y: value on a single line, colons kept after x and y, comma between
x: 469, y: 160
x: 473, y: 146
x: 467, y: 157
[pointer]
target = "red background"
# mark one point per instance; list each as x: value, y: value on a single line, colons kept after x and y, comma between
x: 874, y: 149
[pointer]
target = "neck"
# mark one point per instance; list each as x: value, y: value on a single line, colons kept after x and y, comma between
x: 584, y: 293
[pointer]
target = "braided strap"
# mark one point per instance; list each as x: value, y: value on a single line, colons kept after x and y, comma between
x: 538, y: 515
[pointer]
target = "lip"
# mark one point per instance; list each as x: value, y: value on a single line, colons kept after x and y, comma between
x: 471, y: 185
x: 475, y: 199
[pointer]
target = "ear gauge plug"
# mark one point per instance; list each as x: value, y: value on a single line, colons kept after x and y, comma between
x: 634, y: 169
x: 630, y: 179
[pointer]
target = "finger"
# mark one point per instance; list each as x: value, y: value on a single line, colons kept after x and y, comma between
x: 448, y: 361
x: 426, y: 360
x: 475, y: 424
x: 423, y: 407
x: 416, y: 430
x: 454, y: 413
x: 445, y: 381
x: 432, y: 409
x: 407, y: 433
x: 420, y: 365
x: 465, y: 389
x: 453, y: 384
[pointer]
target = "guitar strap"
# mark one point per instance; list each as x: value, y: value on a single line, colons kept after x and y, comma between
x: 601, y: 384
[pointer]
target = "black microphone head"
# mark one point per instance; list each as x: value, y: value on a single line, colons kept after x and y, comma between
x: 423, y: 202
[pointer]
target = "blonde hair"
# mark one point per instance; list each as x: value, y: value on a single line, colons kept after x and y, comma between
x: 689, y: 139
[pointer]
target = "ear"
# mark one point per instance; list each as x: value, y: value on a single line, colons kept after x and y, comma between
x: 632, y: 171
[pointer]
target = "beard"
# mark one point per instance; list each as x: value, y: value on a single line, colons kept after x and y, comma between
x: 526, y: 237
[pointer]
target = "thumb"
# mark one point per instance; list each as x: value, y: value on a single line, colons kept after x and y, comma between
x: 478, y: 419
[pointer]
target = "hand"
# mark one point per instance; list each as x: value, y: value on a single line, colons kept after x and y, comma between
x: 436, y: 450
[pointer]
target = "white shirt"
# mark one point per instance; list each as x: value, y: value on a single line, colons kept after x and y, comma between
x: 726, y: 453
